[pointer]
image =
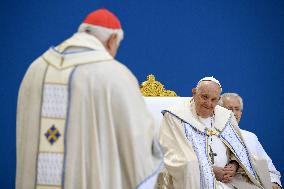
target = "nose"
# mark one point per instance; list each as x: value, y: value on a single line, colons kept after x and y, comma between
x: 210, y: 104
x: 207, y: 104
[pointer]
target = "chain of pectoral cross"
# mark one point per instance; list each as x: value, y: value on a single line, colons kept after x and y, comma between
x: 211, y: 153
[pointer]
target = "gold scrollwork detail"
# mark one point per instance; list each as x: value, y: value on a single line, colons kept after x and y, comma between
x: 151, y: 87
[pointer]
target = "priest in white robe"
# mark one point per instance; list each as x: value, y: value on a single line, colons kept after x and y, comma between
x: 197, y: 136
x: 81, y: 120
x: 234, y: 102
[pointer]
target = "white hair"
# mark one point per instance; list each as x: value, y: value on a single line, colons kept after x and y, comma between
x: 102, y: 33
x: 224, y: 95
x: 210, y: 79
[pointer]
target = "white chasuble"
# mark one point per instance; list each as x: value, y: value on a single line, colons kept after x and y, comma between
x: 77, y: 126
x: 186, y: 141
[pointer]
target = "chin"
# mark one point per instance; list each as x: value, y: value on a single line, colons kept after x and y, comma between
x: 205, y: 115
x: 207, y: 112
x: 204, y: 112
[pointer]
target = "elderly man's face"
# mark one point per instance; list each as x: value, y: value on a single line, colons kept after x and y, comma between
x: 233, y: 103
x: 206, y: 97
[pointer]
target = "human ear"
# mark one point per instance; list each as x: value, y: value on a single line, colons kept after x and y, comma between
x: 193, y: 91
x: 111, y: 43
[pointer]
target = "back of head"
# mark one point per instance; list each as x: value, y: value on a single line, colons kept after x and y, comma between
x: 102, y: 23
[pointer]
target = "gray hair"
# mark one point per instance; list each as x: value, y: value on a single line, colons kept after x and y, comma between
x: 224, y: 95
x: 100, y: 32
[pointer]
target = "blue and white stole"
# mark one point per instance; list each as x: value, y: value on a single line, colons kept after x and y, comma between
x: 199, y: 141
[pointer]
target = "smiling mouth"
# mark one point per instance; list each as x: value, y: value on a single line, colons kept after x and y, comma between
x: 206, y: 107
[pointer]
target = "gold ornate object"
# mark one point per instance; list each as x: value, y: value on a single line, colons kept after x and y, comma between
x: 212, y: 132
x: 165, y: 180
x: 151, y: 87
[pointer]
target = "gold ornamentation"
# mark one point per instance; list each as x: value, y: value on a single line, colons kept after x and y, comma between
x: 211, y: 132
x: 165, y: 180
x: 151, y: 87
x: 52, y: 134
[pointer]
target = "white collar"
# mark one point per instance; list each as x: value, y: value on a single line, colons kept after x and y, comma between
x: 97, y: 52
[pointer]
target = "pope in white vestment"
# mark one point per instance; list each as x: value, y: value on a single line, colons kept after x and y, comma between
x: 81, y: 120
x: 197, y: 135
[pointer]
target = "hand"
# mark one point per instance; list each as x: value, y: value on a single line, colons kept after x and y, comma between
x: 219, y: 173
x: 275, y: 186
x: 230, y: 171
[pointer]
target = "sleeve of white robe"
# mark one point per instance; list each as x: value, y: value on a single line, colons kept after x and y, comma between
x: 179, y: 157
x: 27, y: 126
x: 274, y: 174
x: 136, y: 130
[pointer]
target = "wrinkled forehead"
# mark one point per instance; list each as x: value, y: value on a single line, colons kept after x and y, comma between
x: 209, y: 87
x: 231, y: 101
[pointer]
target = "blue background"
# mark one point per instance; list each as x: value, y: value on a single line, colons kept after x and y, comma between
x: 241, y: 43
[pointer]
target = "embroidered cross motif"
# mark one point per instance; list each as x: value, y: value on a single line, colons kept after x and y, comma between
x: 52, y: 134
x: 212, y: 154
